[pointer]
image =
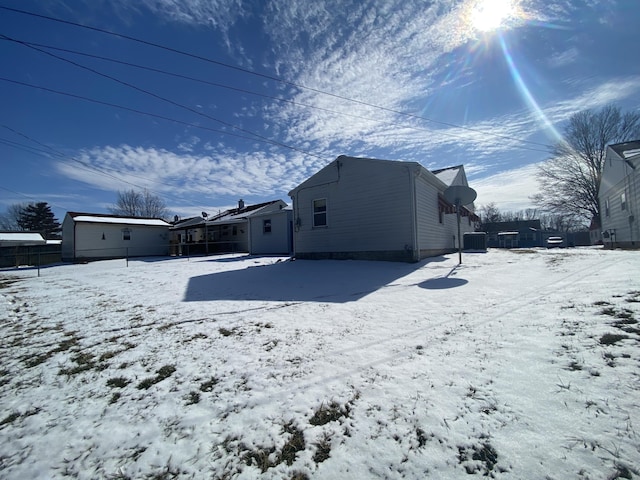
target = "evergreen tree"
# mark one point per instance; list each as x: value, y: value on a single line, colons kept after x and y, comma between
x: 38, y: 217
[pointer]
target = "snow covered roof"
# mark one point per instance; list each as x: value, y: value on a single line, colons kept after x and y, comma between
x: 21, y: 238
x: 447, y: 175
x: 188, y: 222
x: 237, y: 215
x: 117, y: 219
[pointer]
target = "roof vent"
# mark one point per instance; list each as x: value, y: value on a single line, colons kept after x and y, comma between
x: 240, y: 204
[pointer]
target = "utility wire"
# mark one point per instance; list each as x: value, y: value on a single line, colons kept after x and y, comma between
x: 164, y: 99
x: 140, y: 112
x: 517, y: 142
x: 263, y: 75
x: 85, y: 166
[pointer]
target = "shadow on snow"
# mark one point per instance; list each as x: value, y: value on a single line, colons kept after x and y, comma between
x: 336, y: 281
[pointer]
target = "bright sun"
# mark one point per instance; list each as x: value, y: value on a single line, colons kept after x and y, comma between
x: 489, y: 15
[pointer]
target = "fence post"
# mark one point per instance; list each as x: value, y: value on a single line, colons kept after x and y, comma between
x: 127, y: 255
x: 39, y: 250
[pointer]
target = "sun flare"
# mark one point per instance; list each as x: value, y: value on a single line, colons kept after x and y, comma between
x: 490, y: 15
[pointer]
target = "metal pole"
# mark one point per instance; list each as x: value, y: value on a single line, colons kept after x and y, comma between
x: 127, y: 255
x: 39, y: 250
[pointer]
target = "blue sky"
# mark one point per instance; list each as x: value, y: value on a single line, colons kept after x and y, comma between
x: 484, y: 83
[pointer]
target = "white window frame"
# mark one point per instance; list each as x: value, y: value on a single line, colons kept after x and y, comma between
x: 325, y: 212
x: 126, y: 234
x: 623, y: 200
x: 267, y: 226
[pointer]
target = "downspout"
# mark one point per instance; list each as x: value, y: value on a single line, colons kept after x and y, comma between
x: 414, y: 214
x: 74, y: 241
x: 632, y: 201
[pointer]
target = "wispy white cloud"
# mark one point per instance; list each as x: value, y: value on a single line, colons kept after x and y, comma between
x: 509, y: 189
x: 192, y: 178
x: 565, y: 57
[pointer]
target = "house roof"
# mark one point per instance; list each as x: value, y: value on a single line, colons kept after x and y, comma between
x: 8, y: 239
x: 188, y: 222
x: 627, y: 149
x: 442, y: 177
x: 493, y: 227
x: 447, y: 175
x: 116, y: 219
x: 237, y: 215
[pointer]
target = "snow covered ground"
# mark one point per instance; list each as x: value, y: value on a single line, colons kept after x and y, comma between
x: 517, y: 364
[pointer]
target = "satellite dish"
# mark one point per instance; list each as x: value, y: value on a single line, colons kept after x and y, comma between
x: 204, y: 215
x: 460, y: 195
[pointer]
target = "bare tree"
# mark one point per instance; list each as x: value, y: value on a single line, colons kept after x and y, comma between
x: 569, y: 181
x: 140, y: 204
x: 10, y: 219
x: 489, y: 213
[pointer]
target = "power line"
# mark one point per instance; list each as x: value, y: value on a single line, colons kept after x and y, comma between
x: 141, y: 112
x: 86, y: 166
x: 241, y: 90
x: 160, y: 97
x: 266, y: 76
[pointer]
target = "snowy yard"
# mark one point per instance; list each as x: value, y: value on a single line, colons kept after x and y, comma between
x: 517, y: 364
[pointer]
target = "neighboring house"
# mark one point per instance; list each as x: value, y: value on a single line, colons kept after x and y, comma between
x: 264, y: 228
x: 528, y: 234
x: 27, y: 248
x: 21, y: 239
x: 188, y: 237
x: 515, y: 234
x: 361, y: 208
x: 619, y: 196
x: 92, y: 236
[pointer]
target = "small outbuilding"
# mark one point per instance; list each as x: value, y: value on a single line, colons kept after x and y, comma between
x: 93, y: 236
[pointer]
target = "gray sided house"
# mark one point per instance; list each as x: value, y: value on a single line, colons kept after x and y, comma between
x: 361, y: 208
x: 619, y: 196
x: 94, y: 236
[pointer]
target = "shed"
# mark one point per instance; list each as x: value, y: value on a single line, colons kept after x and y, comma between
x: 92, y: 236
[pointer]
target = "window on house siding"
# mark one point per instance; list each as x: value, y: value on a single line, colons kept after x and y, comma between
x: 266, y: 226
x: 623, y: 201
x: 606, y: 207
x: 126, y: 234
x: 320, y: 212
x: 234, y: 230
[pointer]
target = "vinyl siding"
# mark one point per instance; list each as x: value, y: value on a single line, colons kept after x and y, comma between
x: 368, y: 208
x: 433, y: 237
x: 278, y: 241
x: 145, y: 240
x: 627, y: 231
